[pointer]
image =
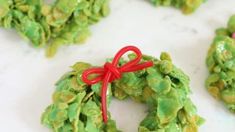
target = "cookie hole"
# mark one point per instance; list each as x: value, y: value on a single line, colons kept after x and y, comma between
x: 128, y: 114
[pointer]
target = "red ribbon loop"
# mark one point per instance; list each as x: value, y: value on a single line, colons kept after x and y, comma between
x: 111, y: 72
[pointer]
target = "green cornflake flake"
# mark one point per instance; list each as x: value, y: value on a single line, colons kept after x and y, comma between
x: 73, y: 111
x: 81, y: 66
x: 64, y: 97
x: 168, y: 107
x: 221, y: 65
x: 90, y: 109
x: 163, y: 87
x: 66, y: 128
x: 173, y: 127
x: 165, y: 56
x: 4, y: 7
x: 52, y: 25
x: 143, y: 129
x: 80, y: 127
x: 120, y: 94
x: 150, y: 122
x: 90, y: 126
x: 166, y: 66
x: 187, y: 6
x: 190, y: 108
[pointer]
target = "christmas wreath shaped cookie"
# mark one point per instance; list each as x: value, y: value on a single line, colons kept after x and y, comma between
x: 79, y: 102
x: 65, y: 21
x: 52, y: 25
x: 221, y: 64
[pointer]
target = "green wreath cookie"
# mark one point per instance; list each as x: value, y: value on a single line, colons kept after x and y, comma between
x: 163, y: 87
x: 187, y: 6
x: 221, y: 64
x: 63, y: 22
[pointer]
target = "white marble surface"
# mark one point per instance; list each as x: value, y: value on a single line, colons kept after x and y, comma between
x: 27, y: 77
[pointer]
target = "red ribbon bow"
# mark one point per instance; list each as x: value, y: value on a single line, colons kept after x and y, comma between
x: 111, y: 72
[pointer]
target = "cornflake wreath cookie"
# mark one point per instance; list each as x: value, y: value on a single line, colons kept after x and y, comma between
x: 44, y: 25
x: 221, y: 64
x: 65, y: 21
x: 79, y: 106
x: 187, y: 6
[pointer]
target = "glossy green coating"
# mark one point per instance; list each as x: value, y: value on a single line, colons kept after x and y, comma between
x: 163, y: 88
x: 187, y: 6
x: 221, y: 64
x: 61, y: 23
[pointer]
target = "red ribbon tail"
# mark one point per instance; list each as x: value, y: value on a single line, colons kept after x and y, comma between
x: 103, y: 98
